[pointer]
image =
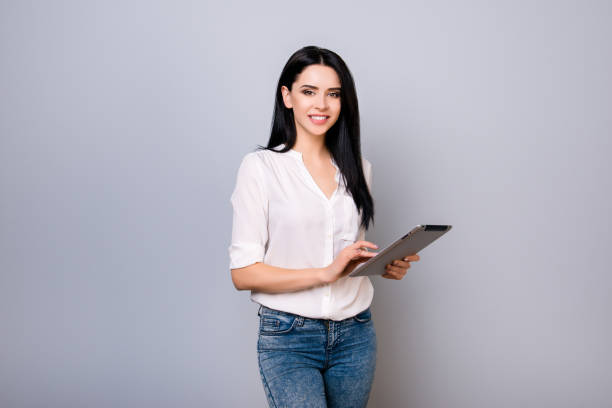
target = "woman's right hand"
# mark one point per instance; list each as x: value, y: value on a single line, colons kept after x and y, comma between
x: 348, y: 259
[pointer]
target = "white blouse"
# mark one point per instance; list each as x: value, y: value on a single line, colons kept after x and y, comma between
x: 282, y: 218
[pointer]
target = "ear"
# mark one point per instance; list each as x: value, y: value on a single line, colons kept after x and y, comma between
x: 286, y: 97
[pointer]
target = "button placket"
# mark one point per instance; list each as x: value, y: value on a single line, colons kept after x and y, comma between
x: 329, y: 251
x: 329, y: 247
x: 330, y: 219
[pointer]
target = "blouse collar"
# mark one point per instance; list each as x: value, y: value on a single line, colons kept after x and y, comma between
x: 298, y: 155
x: 291, y: 152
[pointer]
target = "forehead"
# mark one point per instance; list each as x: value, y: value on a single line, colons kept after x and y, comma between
x: 320, y: 76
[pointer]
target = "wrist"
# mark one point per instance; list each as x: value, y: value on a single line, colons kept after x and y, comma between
x: 325, y: 275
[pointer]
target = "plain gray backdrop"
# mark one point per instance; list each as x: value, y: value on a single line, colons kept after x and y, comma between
x: 122, y: 127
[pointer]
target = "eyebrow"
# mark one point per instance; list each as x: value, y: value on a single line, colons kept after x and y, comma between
x: 314, y: 87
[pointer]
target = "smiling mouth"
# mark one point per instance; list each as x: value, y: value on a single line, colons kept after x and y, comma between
x: 318, y: 119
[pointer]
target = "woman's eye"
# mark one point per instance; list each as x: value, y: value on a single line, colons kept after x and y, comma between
x: 332, y: 94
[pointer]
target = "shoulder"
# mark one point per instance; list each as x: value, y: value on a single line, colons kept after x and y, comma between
x: 367, y: 171
x: 249, y: 162
x: 251, y: 166
x: 254, y: 159
x: 251, y: 174
x: 266, y: 160
x: 367, y: 166
x: 260, y: 162
x: 366, y: 163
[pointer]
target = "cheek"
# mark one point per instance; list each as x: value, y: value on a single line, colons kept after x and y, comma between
x: 336, y: 113
x: 298, y: 104
x: 336, y: 106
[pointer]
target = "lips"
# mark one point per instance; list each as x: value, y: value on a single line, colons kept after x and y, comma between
x: 318, y: 119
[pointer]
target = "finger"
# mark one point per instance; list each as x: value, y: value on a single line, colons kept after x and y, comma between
x: 401, y: 264
x: 412, y: 258
x: 362, y: 253
x: 367, y: 254
x: 396, y: 269
x: 389, y: 275
x: 366, y: 244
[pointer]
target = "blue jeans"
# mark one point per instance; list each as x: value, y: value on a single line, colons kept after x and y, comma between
x: 315, y: 362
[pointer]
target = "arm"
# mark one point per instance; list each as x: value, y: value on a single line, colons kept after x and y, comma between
x: 250, y: 236
x: 271, y: 279
x: 262, y: 277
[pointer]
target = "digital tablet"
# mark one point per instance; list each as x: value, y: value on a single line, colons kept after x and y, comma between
x: 409, y: 244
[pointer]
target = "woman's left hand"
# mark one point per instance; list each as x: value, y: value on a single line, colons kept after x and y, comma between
x: 398, y: 268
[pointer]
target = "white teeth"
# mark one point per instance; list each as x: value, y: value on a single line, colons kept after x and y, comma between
x: 318, y: 117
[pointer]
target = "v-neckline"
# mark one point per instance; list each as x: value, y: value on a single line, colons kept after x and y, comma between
x: 298, y: 155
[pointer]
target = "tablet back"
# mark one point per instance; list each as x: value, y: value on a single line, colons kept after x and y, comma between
x: 409, y: 244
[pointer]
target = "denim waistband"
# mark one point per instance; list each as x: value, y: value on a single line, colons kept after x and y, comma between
x: 269, y: 310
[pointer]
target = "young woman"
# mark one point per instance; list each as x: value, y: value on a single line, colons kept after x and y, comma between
x: 301, y: 208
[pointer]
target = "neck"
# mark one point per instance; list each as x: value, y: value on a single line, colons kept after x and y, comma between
x: 311, y: 145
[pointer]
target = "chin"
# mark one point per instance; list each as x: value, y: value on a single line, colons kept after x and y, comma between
x: 319, y: 132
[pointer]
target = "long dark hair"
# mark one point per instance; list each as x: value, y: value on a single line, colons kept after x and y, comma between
x: 342, y: 139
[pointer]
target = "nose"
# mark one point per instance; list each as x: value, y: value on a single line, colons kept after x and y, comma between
x: 321, y: 101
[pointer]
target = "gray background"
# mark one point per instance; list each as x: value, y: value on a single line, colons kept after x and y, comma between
x: 122, y: 127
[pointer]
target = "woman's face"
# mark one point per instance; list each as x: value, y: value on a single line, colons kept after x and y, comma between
x: 315, y: 99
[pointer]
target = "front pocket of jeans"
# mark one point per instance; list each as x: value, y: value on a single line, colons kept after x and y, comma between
x: 274, y: 324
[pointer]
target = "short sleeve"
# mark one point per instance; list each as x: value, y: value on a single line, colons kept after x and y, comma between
x: 250, y: 214
x: 367, y: 173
